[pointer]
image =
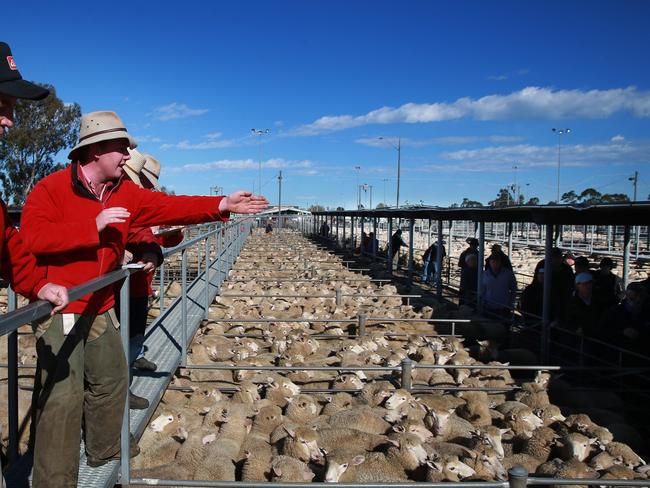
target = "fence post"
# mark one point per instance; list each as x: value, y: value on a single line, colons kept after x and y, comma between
x: 12, y: 381
x: 339, y: 294
x: 125, y: 468
x: 361, y: 325
x: 161, y: 285
x: 207, y: 276
x: 517, y: 477
x: 184, y: 307
x: 407, y: 368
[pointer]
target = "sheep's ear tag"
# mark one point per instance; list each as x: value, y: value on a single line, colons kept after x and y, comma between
x: 277, y: 471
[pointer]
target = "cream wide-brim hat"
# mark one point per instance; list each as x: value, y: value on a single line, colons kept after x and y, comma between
x: 101, y: 126
x: 151, y: 171
x: 134, y: 166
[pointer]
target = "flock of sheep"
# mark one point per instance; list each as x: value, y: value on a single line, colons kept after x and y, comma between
x: 348, y: 420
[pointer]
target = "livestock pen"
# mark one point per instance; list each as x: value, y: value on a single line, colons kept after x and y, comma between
x: 181, y: 319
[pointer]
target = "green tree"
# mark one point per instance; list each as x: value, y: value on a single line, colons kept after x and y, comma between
x: 340, y: 209
x: 42, y: 130
x: 615, y: 198
x: 467, y: 203
x: 316, y: 208
x: 532, y: 201
x: 590, y: 196
x: 503, y: 199
x: 569, y: 197
x: 381, y: 205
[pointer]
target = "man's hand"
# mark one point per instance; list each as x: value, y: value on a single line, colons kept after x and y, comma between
x: 243, y: 202
x: 127, y: 258
x: 150, y: 261
x: 113, y: 215
x: 57, y: 295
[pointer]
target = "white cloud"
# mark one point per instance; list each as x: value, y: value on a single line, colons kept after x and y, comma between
x: 526, y: 156
x: 147, y: 138
x: 529, y: 103
x: 214, y: 141
x: 447, y: 141
x: 176, y: 111
x: 618, y: 138
x: 244, y: 164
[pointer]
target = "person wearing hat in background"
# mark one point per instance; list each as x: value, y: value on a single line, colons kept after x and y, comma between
x: 497, y: 249
x: 532, y: 298
x: 142, y: 247
x: 76, y: 221
x: 498, y: 288
x: 430, y: 263
x: 627, y: 324
x: 472, y: 248
x: 608, y: 287
x: 17, y: 265
x: 468, y: 280
x: 581, y: 265
x: 583, y: 312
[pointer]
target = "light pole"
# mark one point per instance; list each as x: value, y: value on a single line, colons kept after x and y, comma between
x: 559, y: 133
x: 218, y: 190
x: 516, y: 189
x: 260, y: 133
x: 399, y: 157
x: 358, y: 168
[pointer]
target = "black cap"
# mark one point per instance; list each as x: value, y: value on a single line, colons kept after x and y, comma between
x: 11, y: 83
x: 581, y: 261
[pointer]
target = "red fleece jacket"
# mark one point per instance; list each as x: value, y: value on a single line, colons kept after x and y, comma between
x: 17, y: 264
x: 58, y: 225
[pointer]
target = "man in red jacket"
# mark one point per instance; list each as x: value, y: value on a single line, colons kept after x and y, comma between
x: 76, y: 222
x: 17, y: 264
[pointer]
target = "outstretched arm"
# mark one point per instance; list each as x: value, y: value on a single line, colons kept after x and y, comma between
x: 243, y: 202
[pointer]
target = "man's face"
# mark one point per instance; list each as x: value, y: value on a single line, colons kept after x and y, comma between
x: 585, y: 289
x: 7, y: 105
x: 111, y: 156
x: 495, y: 265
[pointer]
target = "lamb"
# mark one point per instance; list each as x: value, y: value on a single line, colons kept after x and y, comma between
x: 476, y: 409
x: 575, y: 445
x: 486, y: 466
x: 247, y: 392
x: 157, y: 448
x: 288, y: 469
x: 332, y: 438
x: 257, y: 466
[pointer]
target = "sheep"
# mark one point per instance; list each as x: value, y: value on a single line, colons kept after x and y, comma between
x: 302, y: 443
x: 376, y: 467
x: 157, y: 448
x: 247, y: 392
x: 475, y: 410
x: 258, y: 457
x: 575, y: 445
x: 331, y: 438
x: 408, y: 426
x: 302, y: 409
x: 288, y: 469
x: 447, y: 469
x: 549, y: 414
x: 487, y: 466
x: 447, y: 426
x: 363, y: 418
x: 188, y: 458
x: 628, y: 456
x: 490, y: 437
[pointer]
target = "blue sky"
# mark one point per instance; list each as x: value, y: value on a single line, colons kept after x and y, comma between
x: 472, y: 88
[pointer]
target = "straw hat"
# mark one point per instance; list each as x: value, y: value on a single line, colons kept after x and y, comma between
x: 134, y: 166
x: 101, y: 126
x: 151, y: 171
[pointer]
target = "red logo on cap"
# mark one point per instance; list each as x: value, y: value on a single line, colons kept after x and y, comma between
x: 12, y: 63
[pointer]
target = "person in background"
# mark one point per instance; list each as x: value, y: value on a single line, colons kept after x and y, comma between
x: 498, y: 288
x: 396, y: 242
x: 583, y: 313
x: 430, y: 259
x: 468, y: 280
x: 497, y: 249
x: 628, y: 324
x: 269, y: 228
x: 532, y: 298
x: 325, y: 229
x: 373, y: 244
x: 581, y: 265
x: 143, y: 247
x: 76, y: 221
x: 472, y: 248
x: 608, y: 287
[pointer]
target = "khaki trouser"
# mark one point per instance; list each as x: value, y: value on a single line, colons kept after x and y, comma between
x: 81, y: 375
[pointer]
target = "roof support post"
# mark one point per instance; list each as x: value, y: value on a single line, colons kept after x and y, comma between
x: 352, y: 236
x: 438, y: 275
x: 626, y: 256
x: 362, y: 219
x: 546, y: 303
x: 450, y: 244
x: 510, y: 240
x: 375, y: 240
x: 411, y: 239
x: 389, y: 260
x: 480, y: 264
x: 345, y: 221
